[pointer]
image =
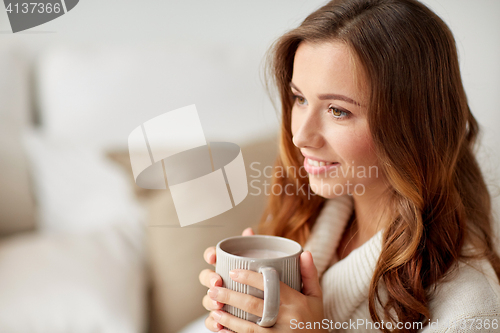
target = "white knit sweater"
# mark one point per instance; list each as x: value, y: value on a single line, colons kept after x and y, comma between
x: 468, y: 301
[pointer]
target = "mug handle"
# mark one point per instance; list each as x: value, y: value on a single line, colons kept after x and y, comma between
x: 271, y: 296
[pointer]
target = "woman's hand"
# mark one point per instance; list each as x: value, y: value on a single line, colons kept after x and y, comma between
x: 210, y: 279
x: 295, y: 307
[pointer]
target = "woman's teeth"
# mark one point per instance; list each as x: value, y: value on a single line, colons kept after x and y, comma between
x: 317, y: 163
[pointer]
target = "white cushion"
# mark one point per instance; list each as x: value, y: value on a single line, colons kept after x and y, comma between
x: 77, y: 188
x: 71, y: 283
x: 84, y: 270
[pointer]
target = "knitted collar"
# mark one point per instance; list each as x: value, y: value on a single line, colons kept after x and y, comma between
x: 346, y: 283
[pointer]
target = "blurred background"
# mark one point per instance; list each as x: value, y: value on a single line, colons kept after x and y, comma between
x: 82, y: 248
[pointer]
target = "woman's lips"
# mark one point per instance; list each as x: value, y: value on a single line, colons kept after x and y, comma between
x: 314, y: 170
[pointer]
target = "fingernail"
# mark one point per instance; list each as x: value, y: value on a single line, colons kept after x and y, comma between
x: 216, y: 315
x: 233, y: 274
x: 216, y: 325
x: 212, y: 292
x: 213, y: 281
x: 211, y: 258
x: 215, y: 303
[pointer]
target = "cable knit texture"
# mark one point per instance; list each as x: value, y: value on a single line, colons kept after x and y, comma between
x: 467, y: 300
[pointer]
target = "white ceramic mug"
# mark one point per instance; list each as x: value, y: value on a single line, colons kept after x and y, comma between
x: 277, y: 258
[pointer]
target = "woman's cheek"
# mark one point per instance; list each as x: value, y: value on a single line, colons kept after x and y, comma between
x: 295, y: 121
x: 357, y: 153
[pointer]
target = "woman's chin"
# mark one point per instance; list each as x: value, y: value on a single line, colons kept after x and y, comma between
x: 327, y: 192
x: 335, y: 188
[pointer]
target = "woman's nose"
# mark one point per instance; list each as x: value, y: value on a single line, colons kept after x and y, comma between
x: 308, y: 132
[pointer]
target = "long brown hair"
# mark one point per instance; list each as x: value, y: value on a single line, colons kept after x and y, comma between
x: 424, y: 134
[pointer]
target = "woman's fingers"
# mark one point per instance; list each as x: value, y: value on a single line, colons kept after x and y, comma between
x: 256, y: 280
x: 248, y: 232
x: 310, y: 280
x: 209, y: 278
x: 211, y: 304
x: 212, y: 325
x: 251, y: 278
x: 209, y: 255
x: 234, y: 323
x: 245, y: 302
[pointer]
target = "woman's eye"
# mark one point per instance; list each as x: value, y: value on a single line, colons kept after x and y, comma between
x: 338, y: 113
x: 300, y: 100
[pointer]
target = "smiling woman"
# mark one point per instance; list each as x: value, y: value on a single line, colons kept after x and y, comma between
x: 375, y: 84
x: 331, y: 129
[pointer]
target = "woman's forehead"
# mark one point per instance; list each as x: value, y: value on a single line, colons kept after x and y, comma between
x: 329, y: 67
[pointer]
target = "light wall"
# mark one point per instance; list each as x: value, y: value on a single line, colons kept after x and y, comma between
x: 253, y: 25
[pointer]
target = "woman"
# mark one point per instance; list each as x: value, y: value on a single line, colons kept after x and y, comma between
x: 400, y: 225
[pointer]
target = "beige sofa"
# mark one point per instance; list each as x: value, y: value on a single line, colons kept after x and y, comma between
x: 71, y: 277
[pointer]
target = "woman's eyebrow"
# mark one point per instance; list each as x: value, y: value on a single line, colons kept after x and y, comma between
x: 330, y: 96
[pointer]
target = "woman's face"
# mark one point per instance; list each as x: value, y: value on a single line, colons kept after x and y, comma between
x: 329, y: 121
